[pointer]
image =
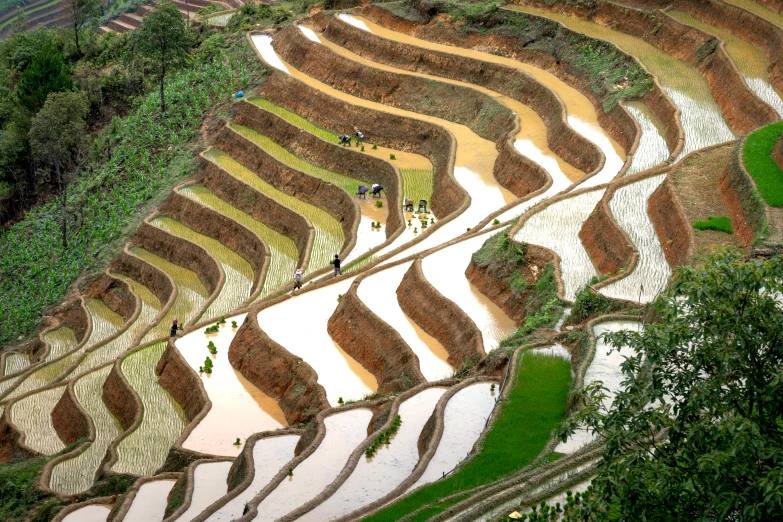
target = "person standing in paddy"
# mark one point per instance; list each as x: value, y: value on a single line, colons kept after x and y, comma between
x: 298, y: 279
x: 336, y: 263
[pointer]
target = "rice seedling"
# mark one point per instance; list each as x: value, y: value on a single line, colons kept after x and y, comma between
x: 629, y: 208
x: 295, y: 119
x: 759, y: 10
x: 281, y: 154
x: 765, y: 172
x: 33, y: 416
x: 191, y: 293
x: 719, y: 223
x: 239, y: 274
x: 105, y: 322
x: 15, y: 362
x: 60, y: 340
x: 283, y: 252
x: 220, y: 20
x: 145, y: 449
x: 417, y: 184
x: 329, y: 236
x: 652, y: 149
x: 77, y: 474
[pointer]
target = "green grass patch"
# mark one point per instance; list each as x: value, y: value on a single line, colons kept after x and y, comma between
x: 590, y: 304
x: 719, y: 223
x: 535, y: 407
x: 417, y: 184
x: 765, y: 172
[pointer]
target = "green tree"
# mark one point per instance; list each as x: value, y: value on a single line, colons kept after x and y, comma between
x: 696, y: 433
x: 47, y: 73
x: 59, y: 142
x: 164, y: 39
x: 80, y: 12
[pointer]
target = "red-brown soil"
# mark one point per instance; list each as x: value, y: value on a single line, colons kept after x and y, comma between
x: 440, y: 317
x: 607, y: 244
x: 68, y: 419
x: 155, y: 280
x: 374, y: 344
x: 119, y: 398
x: 177, y: 377
x: 671, y: 224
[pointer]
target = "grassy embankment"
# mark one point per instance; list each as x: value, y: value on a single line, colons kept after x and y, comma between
x: 765, y: 172
x: 149, y: 153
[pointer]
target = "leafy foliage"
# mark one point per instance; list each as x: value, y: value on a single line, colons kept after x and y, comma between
x: 589, y: 304
x: 47, y: 73
x: 696, y: 433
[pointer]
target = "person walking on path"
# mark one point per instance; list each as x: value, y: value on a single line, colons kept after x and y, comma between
x: 174, y: 328
x: 298, y: 279
x: 337, y: 265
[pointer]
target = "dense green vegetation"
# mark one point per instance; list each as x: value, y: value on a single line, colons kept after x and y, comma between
x: 705, y: 378
x: 535, y: 407
x: 589, y: 304
x: 765, y: 172
x: 131, y: 161
x: 719, y: 223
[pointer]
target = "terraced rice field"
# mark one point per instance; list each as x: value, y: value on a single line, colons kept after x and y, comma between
x: 702, y: 119
x: 150, y: 308
x: 749, y: 59
x: 328, y: 483
x: 77, y: 473
x: 239, y: 274
x: 145, y: 449
x: 329, y: 236
x: 284, y: 255
x: 33, y: 416
x: 191, y: 294
x: 759, y: 10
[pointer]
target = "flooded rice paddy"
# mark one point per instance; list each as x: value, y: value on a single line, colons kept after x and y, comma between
x: 557, y: 228
x: 283, y: 253
x: 210, y: 482
x: 77, y: 474
x: 15, y: 362
x: 300, y: 326
x: 239, y: 408
x: 33, y: 416
x: 239, y: 274
x: 269, y: 457
x: 375, y: 477
x: 378, y: 292
x: 651, y: 274
x: 61, y: 341
x: 150, y: 502
x: 465, y: 416
x: 344, y: 432
x: 652, y: 150
x: 150, y: 308
x: 369, y: 236
x: 191, y: 294
x: 751, y: 61
x: 604, y: 367
x: 145, y: 449
x: 701, y: 117
x: 105, y: 322
x: 445, y: 270
x: 329, y: 236
x: 91, y: 513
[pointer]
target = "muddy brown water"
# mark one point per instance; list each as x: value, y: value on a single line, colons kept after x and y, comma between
x: 378, y: 475
x: 299, y: 325
x: 344, y: 431
x: 378, y: 292
x: 464, y: 419
x: 445, y: 270
x: 239, y: 408
x: 90, y: 513
x: 150, y: 502
x: 210, y: 482
x: 751, y: 61
x: 701, y: 117
x: 269, y: 457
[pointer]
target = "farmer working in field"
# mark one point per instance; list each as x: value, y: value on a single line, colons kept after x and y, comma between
x: 336, y: 263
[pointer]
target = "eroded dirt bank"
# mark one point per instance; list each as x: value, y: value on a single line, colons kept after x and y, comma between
x: 176, y: 377
x: 120, y: 398
x: 753, y: 211
x: 393, y: 131
x: 671, y: 224
x: 117, y: 295
x: 374, y: 344
x: 440, y: 317
x: 69, y: 420
x: 607, y: 245
x: 276, y: 372
x: 149, y: 276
